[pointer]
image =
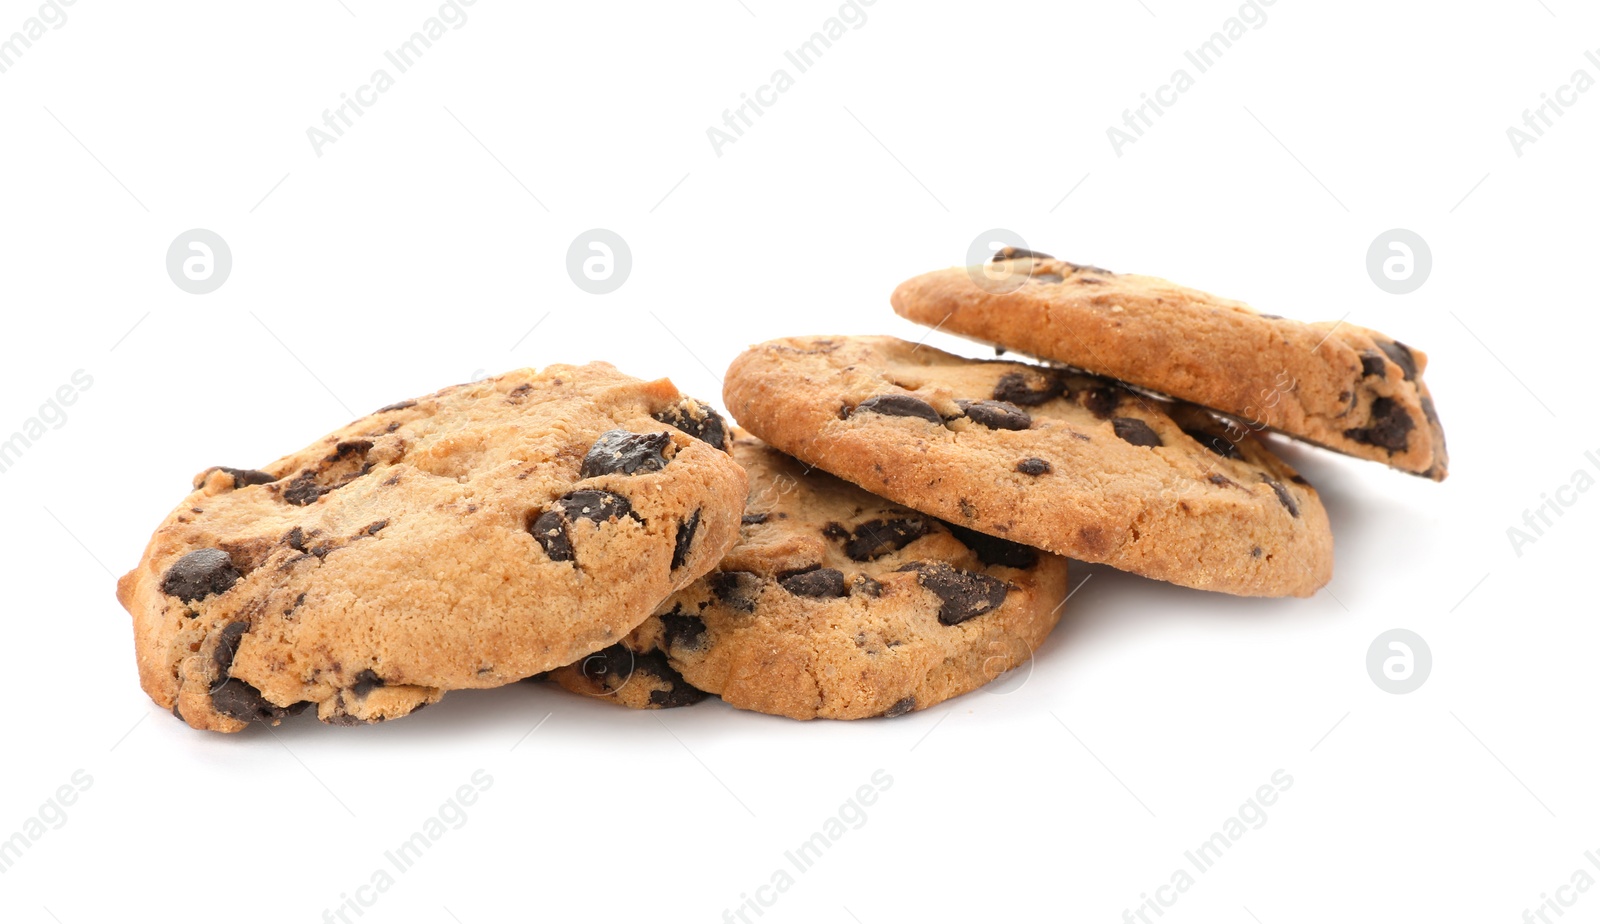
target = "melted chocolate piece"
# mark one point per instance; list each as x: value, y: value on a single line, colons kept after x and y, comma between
x: 1135, y: 431
x: 996, y: 415
x: 621, y: 452
x: 736, y: 589
x: 1013, y: 389
x: 200, y: 574
x: 877, y: 538
x: 992, y: 550
x: 698, y: 420
x: 814, y: 582
x: 1390, y: 428
x: 1035, y: 467
x: 685, y: 539
x: 899, y: 406
x: 963, y: 594
x: 1402, y: 356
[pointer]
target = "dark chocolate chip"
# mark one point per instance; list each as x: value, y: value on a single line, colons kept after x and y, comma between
x: 964, y: 594
x: 613, y: 667
x: 366, y: 682
x: 397, y: 406
x: 877, y: 538
x: 737, y: 589
x: 1215, y: 442
x: 375, y: 528
x: 1255, y: 552
x: 868, y: 586
x: 227, y: 647
x: 199, y: 574
x: 1135, y: 431
x: 303, y: 490
x: 901, y: 707
x: 996, y: 415
x: 1013, y: 389
x: 1284, y: 497
x: 1102, y: 402
x: 681, y: 630
x: 621, y: 452
x: 753, y: 519
x: 1372, y: 364
x: 1428, y: 410
x: 242, y: 477
x: 1018, y: 253
x: 685, y: 539
x: 992, y: 550
x: 900, y: 406
x: 814, y: 582
x: 1390, y: 428
x: 550, y: 528
x: 295, y: 539
x: 239, y: 700
x: 698, y: 420
x: 1401, y: 354
x: 1035, y: 467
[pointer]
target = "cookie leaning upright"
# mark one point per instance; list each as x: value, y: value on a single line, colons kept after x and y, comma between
x: 834, y: 604
x: 466, y: 539
x: 1066, y: 462
x: 1343, y: 387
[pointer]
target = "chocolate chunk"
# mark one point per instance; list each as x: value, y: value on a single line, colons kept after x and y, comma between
x: 1215, y: 442
x: 1255, y: 551
x: 992, y: 550
x: 1390, y: 428
x: 679, y: 692
x: 868, y: 586
x: 901, y: 707
x: 680, y: 547
x: 303, y: 490
x: 397, y: 406
x: 964, y: 594
x: 1018, y: 253
x: 680, y: 630
x: 228, y: 647
x: 366, y: 682
x: 698, y: 420
x: 996, y: 415
x: 607, y: 664
x: 900, y: 406
x: 737, y: 589
x: 618, y: 451
x: 1013, y: 389
x: 242, y: 477
x: 753, y: 519
x: 295, y: 539
x: 1102, y: 402
x: 239, y: 700
x: 1401, y: 354
x: 550, y: 528
x: 814, y: 582
x: 1428, y: 410
x: 375, y: 528
x: 1372, y: 364
x: 1135, y: 431
x: 877, y: 538
x: 1284, y: 497
x: 200, y: 574
x: 1034, y: 467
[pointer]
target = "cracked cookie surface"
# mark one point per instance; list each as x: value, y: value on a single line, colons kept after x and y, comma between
x: 1343, y: 387
x: 1046, y: 457
x: 837, y: 604
x: 467, y: 539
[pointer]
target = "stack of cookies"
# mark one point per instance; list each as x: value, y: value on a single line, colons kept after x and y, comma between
x: 890, y: 528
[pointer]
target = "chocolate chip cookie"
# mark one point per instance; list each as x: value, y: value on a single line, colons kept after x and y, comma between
x: 466, y: 539
x: 1072, y: 463
x: 835, y: 604
x: 1342, y: 387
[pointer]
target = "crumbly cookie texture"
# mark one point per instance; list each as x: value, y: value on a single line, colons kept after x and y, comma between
x: 1342, y: 387
x: 1066, y: 462
x: 466, y: 539
x: 835, y: 604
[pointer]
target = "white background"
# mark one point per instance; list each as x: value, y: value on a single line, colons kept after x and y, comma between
x: 421, y: 248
